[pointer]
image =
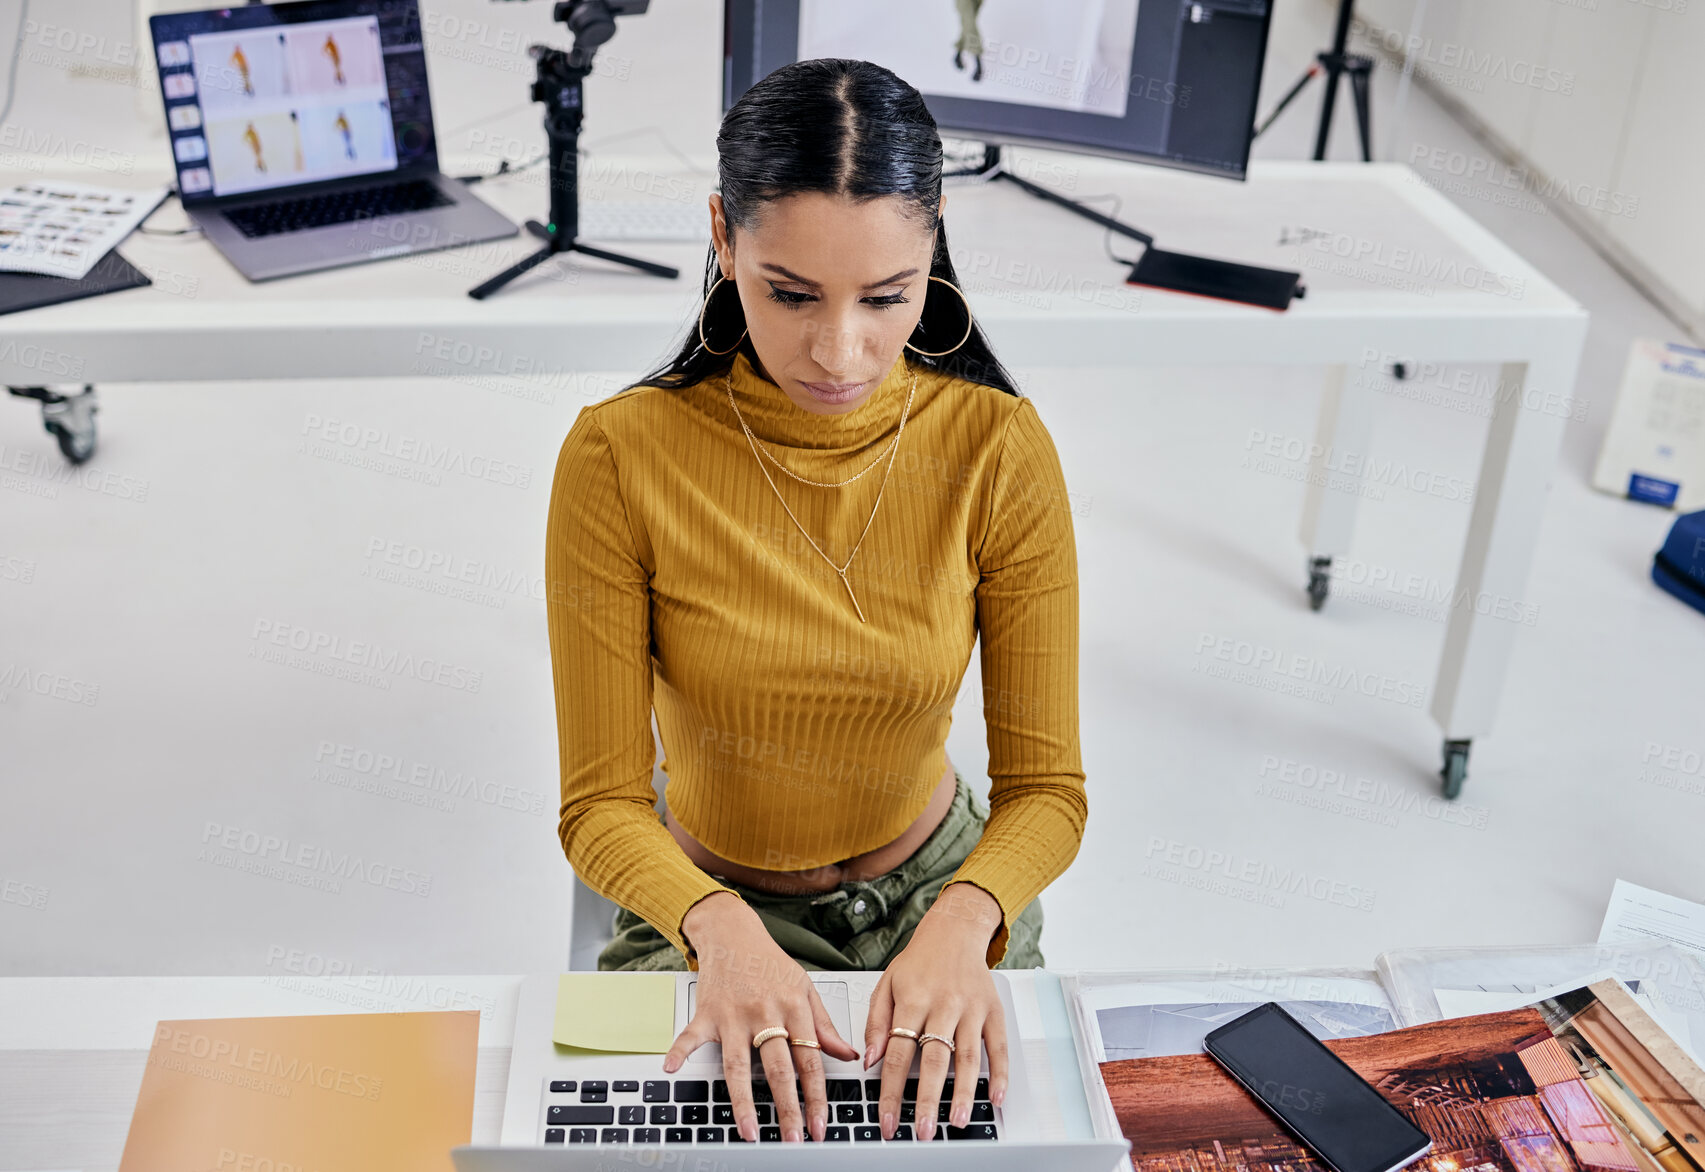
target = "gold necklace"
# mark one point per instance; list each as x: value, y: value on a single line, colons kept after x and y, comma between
x: 728, y: 382
x: 894, y: 451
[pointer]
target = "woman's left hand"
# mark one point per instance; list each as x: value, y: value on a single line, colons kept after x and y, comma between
x: 940, y: 984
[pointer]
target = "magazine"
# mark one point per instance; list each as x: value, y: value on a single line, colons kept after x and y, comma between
x: 1138, y: 1036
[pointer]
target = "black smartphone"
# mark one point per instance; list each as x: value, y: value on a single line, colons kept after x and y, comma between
x: 1224, y: 280
x: 1315, y: 1094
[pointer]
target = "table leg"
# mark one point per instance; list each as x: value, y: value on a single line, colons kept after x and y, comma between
x: 1330, y: 498
x: 1488, y: 604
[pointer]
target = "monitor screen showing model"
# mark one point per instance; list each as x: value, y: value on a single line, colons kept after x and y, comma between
x: 278, y: 95
x: 1166, y: 81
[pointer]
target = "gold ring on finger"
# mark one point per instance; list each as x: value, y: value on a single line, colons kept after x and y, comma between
x: 948, y: 1042
x: 812, y: 1042
x: 903, y: 1032
x: 762, y: 1036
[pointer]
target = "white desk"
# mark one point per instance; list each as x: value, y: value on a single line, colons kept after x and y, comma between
x: 73, y: 1049
x: 1401, y: 273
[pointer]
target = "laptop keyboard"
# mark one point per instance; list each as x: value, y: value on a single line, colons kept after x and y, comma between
x: 699, y: 1111
x: 336, y: 207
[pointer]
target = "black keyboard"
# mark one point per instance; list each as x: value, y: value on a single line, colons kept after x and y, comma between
x: 700, y: 1111
x: 336, y: 207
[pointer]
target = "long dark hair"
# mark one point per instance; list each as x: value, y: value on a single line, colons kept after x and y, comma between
x: 847, y: 128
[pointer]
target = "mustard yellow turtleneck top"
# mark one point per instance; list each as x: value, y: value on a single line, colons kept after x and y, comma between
x: 794, y: 735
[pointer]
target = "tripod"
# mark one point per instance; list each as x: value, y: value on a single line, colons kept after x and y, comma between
x: 558, y: 85
x: 1334, y: 64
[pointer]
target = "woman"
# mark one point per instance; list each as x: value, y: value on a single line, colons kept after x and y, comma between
x: 787, y: 539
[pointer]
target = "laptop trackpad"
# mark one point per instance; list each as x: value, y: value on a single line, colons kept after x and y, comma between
x: 835, y: 1000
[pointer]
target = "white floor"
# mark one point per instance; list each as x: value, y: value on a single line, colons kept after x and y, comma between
x: 111, y: 800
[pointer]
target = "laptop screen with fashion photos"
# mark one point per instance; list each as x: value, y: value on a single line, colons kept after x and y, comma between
x: 271, y: 96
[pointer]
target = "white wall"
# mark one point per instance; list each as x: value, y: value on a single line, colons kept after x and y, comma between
x: 1601, y: 101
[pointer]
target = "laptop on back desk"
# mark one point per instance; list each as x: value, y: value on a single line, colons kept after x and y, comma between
x: 303, y: 138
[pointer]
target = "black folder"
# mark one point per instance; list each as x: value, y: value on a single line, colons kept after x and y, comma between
x: 30, y: 290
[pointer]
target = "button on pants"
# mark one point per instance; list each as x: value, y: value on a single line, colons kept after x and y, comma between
x: 863, y: 923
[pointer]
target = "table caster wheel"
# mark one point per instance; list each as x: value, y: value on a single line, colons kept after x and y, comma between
x: 70, y: 419
x: 1455, y: 769
x: 1319, y: 581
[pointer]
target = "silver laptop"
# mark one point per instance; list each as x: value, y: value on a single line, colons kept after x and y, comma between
x: 575, y: 1109
x: 302, y: 135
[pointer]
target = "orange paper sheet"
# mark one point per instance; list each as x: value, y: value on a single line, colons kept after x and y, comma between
x: 359, y: 1092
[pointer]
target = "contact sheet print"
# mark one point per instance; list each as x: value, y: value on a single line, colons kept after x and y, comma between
x: 61, y: 229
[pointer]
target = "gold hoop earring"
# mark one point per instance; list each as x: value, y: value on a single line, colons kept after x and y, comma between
x: 703, y: 344
x: 969, y: 322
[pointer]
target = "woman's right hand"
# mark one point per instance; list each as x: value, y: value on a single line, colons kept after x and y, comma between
x: 747, y: 983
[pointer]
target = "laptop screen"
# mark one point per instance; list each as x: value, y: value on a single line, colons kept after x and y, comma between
x: 270, y: 96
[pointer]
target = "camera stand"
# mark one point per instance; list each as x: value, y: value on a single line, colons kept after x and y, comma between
x: 558, y: 86
x: 1334, y: 64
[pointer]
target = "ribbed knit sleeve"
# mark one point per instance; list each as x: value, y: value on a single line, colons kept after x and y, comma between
x: 1027, y: 617
x: 599, y: 614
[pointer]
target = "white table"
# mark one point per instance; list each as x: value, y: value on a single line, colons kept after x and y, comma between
x: 1400, y: 274
x: 73, y: 1049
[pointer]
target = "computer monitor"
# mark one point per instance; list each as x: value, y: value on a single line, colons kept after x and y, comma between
x: 1172, y: 82
x: 267, y: 96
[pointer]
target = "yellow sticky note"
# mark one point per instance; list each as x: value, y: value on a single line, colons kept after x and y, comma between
x: 632, y: 1013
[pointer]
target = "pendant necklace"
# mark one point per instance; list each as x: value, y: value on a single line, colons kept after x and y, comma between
x: 894, y: 447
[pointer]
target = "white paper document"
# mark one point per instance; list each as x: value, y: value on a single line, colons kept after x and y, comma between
x: 1639, y: 913
x: 61, y: 229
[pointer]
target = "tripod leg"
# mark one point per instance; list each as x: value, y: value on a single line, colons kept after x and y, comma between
x: 1309, y: 74
x: 481, y: 292
x: 1326, y: 104
x: 646, y: 266
x: 1364, y: 117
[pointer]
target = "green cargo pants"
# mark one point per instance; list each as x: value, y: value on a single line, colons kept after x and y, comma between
x: 862, y: 924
